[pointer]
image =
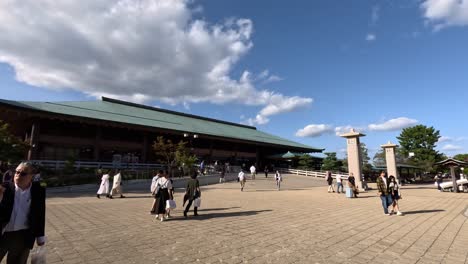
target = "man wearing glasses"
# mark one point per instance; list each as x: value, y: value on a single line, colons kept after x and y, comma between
x: 22, y: 215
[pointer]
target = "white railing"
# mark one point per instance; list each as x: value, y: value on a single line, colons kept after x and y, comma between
x: 311, y: 173
x: 60, y: 164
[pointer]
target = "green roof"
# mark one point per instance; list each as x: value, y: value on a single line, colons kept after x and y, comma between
x: 135, y: 114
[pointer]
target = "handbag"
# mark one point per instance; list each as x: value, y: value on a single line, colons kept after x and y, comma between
x: 170, y: 204
x: 197, y: 202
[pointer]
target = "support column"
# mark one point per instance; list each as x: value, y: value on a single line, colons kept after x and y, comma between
x: 454, y: 178
x: 97, y: 142
x: 144, y: 151
x: 33, y: 141
x: 390, y: 159
x: 354, y: 155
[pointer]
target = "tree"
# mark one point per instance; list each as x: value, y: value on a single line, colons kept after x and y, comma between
x: 461, y: 157
x: 379, y: 157
x: 12, y: 149
x: 305, y: 161
x: 330, y: 162
x: 421, y: 140
x: 173, y: 154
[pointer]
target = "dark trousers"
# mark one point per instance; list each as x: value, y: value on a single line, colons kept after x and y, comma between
x: 187, y: 208
x: 14, y: 243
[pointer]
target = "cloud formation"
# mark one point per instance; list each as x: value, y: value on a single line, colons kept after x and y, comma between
x: 450, y: 147
x: 444, y: 13
x: 339, y: 130
x: 450, y: 139
x: 370, y: 37
x: 314, y: 130
x: 393, y: 124
x: 134, y: 50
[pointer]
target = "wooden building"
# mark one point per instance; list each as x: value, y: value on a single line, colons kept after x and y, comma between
x: 106, y: 129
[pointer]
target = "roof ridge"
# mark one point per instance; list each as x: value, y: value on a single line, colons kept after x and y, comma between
x: 116, y: 101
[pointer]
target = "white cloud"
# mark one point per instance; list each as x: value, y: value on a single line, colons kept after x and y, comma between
x: 450, y: 139
x: 134, y: 50
x: 258, y: 120
x: 339, y: 130
x: 444, y: 13
x: 444, y: 139
x: 393, y: 124
x: 314, y: 130
x: 450, y: 147
x: 371, y: 37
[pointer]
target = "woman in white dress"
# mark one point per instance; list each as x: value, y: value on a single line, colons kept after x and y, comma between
x: 162, y: 194
x: 117, y: 185
x: 104, y: 187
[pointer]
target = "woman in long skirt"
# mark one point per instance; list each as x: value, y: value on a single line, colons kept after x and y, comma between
x: 396, y: 194
x: 163, y: 185
x: 104, y: 187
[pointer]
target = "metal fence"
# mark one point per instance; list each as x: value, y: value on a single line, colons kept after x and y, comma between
x: 311, y: 173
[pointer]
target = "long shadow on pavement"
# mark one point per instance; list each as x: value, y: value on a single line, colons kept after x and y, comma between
x: 424, y: 211
x: 207, y: 216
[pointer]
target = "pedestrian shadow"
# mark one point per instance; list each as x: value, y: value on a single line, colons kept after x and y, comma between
x: 208, y: 216
x: 424, y: 211
x: 218, y: 209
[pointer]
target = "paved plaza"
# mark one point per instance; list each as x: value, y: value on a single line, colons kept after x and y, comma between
x: 302, y: 223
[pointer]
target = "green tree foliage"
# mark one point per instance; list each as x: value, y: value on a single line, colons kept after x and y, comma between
x: 461, y: 157
x: 330, y: 162
x: 379, y: 157
x: 305, y: 162
x: 173, y: 154
x: 12, y: 149
x: 421, y: 140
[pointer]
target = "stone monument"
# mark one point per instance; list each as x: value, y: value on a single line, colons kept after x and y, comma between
x: 390, y: 159
x: 354, y: 155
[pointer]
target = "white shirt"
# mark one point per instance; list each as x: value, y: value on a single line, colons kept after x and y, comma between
x: 21, y: 206
x: 338, y: 178
x: 252, y: 169
x: 153, y: 183
x: 278, y: 176
x: 241, y: 176
x: 164, y: 183
x: 385, y: 181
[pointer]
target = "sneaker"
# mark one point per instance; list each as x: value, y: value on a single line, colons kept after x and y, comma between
x: 98, y: 196
x: 399, y: 213
x: 392, y: 212
x: 162, y: 218
x: 166, y: 216
x: 387, y: 214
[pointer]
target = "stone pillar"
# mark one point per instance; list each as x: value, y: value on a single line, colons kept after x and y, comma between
x: 454, y: 179
x: 354, y: 155
x: 390, y: 159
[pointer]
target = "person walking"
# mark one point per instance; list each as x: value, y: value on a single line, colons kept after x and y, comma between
x: 117, y: 185
x: 278, y: 179
x: 329, y: 178
x: 162, y: 194
x: 153, y: 190
x: 241, y: 177
x: 252, y: 172
x: 352, y: 185
x: 383, y: 186
x: 104, y: 187
x: 438, y: 180
x: 192, y: 192
x: 22, y: 215
x: 266, y: 171
x: 339, y: 183
x: 396, y: 195
x: 223, y: 172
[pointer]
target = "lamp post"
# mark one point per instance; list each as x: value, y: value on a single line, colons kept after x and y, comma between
x: 462, y: 176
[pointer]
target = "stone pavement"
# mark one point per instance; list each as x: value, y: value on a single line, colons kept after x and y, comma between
x: 302, y: 223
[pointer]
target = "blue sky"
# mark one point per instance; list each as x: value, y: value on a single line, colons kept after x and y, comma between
x: 297, y: 69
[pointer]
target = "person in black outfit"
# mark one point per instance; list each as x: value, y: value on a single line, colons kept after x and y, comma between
x: 22, y: 215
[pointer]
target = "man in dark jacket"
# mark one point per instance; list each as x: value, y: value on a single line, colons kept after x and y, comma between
x: 22, y: 215
x: 384, y: 191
